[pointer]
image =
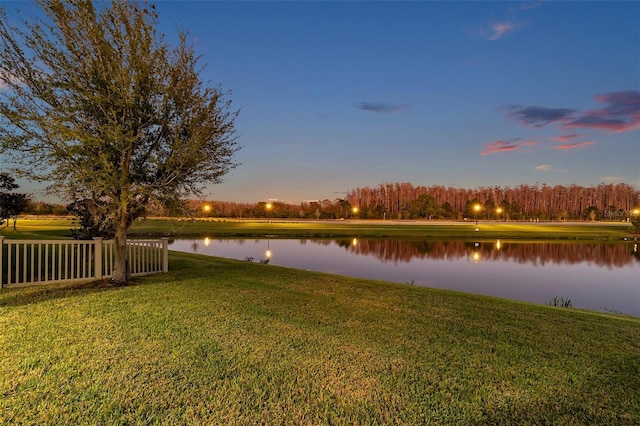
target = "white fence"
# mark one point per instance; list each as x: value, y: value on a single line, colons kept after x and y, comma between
x: 29, y: 262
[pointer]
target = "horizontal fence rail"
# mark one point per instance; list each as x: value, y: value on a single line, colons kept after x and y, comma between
x: 30, y: 262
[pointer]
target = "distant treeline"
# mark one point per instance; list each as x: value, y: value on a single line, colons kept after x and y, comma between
x: 406, y: 201
x: 45, y: 209
x: 523, y: 202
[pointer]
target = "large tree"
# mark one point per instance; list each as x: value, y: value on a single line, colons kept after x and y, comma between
x: 96, y: 102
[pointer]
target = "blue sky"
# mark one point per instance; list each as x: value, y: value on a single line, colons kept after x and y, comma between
x: 337, y: 95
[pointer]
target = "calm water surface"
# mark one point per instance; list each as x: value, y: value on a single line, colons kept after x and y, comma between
x: 597, y: 276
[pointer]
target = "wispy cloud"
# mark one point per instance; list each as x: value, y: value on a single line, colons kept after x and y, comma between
x: 544, y: 167
x: 381, y: 107
x: 566, y: 138
x: 498, y: 30
x: 530, y: 5
x: 498, y: 146
x: 621, y: 113
x: 574, y: 145
x: 548, y: 168
x: 536, y: 116
x: 505, y: 146
x: 614, y: 179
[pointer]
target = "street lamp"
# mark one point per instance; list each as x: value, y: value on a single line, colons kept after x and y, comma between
x: 267, y: 209
x: 499, y: 211
x: 476, y: 209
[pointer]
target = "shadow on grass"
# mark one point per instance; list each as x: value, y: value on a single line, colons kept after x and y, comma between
x: 22, y: 296
x: 181, y: 266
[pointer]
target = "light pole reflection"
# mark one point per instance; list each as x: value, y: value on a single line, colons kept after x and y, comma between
x: 476, y: 253
x: 268, y: 252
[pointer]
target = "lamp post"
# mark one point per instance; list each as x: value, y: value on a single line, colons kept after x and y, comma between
x: 268, y: 207
x: 476, y: 209
x: 499, y: 211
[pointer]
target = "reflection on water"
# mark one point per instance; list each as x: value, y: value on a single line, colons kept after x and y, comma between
x: 612, y: 255
x: 598, y: 276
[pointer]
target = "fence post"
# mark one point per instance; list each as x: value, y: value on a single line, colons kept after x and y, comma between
x: 1, y: 247
x: 97, y: 262
x: 165, y: 254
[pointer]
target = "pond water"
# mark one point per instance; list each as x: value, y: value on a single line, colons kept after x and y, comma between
x: 596, y: 276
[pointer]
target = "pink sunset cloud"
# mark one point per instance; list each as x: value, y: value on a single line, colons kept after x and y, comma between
x: 620, y: 113
x: 565, y: 138
x: 500, y: 29
x: 573, y: 145
x: 505, y: 146
x: 536, y: 116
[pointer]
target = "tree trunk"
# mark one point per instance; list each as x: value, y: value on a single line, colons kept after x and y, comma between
x: 121, y: 264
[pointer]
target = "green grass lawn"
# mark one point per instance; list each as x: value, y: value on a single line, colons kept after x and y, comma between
x: 226, y: 342
x: 39, y: 228
x: 388, y: 229
x: 611, y: 231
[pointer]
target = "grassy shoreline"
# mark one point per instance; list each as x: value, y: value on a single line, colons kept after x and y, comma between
x: 219, y: 341
x: 385, y: 229
x: 604, y: 231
